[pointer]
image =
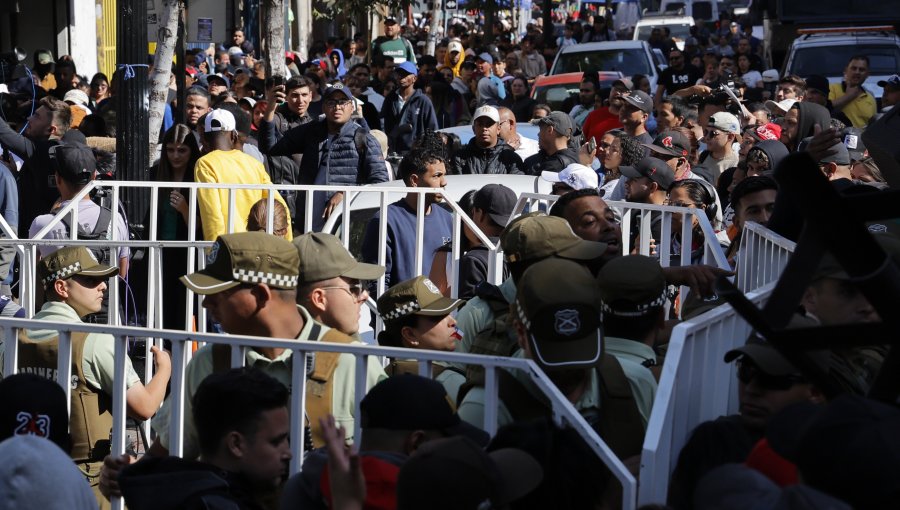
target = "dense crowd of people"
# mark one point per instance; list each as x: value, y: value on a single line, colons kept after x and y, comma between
x: 709, y: 139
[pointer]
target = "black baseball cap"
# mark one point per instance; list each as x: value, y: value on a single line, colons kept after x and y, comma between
x: 497, y: 201
x: 670, y: 143
x: 73, y: 162
x: 412, y: 402
x: 640, y: 100
x: 36, y: 406
x: 817, y: 82
x: 654, y: 169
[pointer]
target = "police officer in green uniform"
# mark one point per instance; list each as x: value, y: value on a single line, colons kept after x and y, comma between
x: 417, y: 316
x: 250, y: 287
x: 74, y: 282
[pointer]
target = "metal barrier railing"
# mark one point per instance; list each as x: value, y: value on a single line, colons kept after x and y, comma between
x: 696, y: 386
x: 762, y: 256
x: 562, y: 409
x: 712, y: 251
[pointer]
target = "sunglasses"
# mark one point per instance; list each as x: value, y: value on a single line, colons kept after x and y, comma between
x: 748, y: 372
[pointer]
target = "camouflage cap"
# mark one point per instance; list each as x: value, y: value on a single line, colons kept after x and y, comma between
x: 630, y: 286
x: 537, y: 236
x: 322, y: 257
x: 246, y: 257
x: 68, y: 262
x: 417, y: 296
x: 557, y: 303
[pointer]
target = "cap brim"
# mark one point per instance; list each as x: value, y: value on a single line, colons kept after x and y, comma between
x: 520, y: 472
x: 500, y: 219
x: 204, y: 284
x: 766, y: 357
x: 536, y: 122
x: 569, y: 354
x: 99, y: 270
x: 661, y: 150
x: 583, y: 250
x: 550, y: 176
x: 442, y: 306
x: 630, y: 172
x: 363, y: 271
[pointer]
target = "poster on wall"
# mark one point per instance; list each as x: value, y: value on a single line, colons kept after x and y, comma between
x: 204, y: 30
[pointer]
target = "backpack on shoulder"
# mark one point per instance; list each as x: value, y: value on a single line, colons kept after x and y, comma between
x: 497, y: 338
x: 99, y: 233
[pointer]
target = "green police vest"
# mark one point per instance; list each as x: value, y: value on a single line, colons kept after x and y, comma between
x: 91, y: 419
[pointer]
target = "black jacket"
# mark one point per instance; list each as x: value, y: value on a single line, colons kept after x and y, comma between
x: 282, y: 169
x: 172, y: 483
x: 499, y: 159
x: 404, y: 125
x: 541, y: 162
x: 37, y: 196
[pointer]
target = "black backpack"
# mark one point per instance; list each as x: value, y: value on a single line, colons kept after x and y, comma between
x: 100, y: 232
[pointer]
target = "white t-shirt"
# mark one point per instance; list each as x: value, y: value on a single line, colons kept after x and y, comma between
x: 88, y: 214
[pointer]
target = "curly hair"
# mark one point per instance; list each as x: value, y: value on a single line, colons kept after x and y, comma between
x: 632, y: 150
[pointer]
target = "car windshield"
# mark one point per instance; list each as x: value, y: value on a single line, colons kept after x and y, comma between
x: 831, y: 60
x: 556, y: 95
x: 628, y: 61
x: 678, y: 32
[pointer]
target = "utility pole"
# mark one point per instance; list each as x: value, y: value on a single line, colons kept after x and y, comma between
x: 132, y: 116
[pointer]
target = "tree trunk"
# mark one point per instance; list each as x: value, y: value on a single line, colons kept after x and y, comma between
x: 162, y: 69
x: 437, y: 12
x: 273, y: 23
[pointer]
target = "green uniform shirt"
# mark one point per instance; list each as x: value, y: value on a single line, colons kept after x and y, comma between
x: 99, y: 361
x: 630, y: 355
x: 201, y: 365
x: 472, y: 407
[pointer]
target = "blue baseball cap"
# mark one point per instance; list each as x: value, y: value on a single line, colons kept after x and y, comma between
x: 409, y: 67
x: 486, y: 57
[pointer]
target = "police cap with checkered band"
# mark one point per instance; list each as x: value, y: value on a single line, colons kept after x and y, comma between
x: 557, y: 302
x: 68, y: 262
x: 631, y: 286
x: 419, y: 296
x: 246, y: 257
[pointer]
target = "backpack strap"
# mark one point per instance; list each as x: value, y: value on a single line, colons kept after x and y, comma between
x: 620, y: 423
x: 359, y: 140
x: 103, y: 221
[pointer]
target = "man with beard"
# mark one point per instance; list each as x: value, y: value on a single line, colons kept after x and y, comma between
x: 604, y: 118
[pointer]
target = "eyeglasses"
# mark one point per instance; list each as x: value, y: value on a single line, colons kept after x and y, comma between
x: 334, y: 103
x: 748, y: 372
x: 709, y: 133
x: 355, y: 290
x: 607, y: 147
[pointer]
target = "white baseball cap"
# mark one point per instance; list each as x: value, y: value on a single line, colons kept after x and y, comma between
x: 219, y: 120
x: 576, y: 176
x: 726, y: 122
x: 486, y: 111
x: 780, y: 108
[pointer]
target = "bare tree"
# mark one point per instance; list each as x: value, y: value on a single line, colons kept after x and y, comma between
x: 166, y: 37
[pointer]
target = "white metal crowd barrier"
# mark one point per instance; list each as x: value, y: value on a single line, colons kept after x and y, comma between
x: 762, y: 256
x: 563, y: 411
x: 664, y: 247
x: 696, y: 386
x: 386, y: 194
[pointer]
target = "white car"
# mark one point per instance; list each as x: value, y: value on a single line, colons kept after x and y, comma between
x: 679, y: 27
x: 827, y: 52
x: 363, y: 206
x: 628, y: 57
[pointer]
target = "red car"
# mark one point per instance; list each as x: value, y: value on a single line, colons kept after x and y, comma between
x: 554, y: 90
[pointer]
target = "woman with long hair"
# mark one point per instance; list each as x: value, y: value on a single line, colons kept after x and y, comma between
x: 519, y: 101
x: 180, y: 153
x: 616, y: 149
x: 439, y: 93
x: 693, y: 194
x: 99, y: 89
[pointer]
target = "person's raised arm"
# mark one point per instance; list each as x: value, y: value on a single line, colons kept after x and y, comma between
x: 9, y: 139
